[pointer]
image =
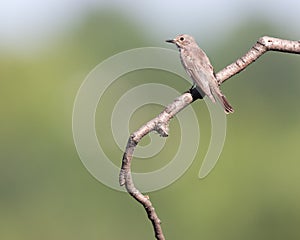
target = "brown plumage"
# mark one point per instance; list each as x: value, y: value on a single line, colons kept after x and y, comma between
x: 199, y: 68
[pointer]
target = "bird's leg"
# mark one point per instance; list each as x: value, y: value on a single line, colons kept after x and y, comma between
x: 195, y: 93
x: 192, y: 87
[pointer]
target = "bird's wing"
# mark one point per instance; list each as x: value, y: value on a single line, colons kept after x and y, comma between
x: 199, y: 76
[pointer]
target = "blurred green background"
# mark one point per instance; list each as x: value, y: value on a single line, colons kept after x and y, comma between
x: 47, y: 193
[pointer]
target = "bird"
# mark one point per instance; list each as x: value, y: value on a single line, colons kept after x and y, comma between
x: 198, y: 67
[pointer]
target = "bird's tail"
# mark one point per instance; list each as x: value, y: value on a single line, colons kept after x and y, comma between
x: 226, y: 105
x: 222, y: 99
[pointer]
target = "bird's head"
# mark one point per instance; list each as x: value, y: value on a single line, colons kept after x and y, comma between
x: 182, y: 40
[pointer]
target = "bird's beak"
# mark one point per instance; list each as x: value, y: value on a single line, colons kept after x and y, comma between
x: 170, y: 41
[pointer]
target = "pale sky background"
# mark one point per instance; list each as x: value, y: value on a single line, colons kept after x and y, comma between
x: 25, y: 24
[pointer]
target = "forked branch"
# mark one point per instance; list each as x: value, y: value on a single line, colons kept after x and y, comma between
x: 160, y: 124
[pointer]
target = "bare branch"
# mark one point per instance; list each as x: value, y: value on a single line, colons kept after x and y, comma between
x: 263, y: 45
x: 160, y: 124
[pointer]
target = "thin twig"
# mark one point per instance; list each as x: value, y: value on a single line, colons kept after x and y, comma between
x: 160, y: 124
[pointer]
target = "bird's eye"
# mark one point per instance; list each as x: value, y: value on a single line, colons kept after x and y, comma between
x: 181, y: 39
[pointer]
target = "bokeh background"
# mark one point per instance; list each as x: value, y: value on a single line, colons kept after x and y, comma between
x: 46, y: 50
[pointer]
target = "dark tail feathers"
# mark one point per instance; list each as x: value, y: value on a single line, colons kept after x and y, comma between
x: 226, y: 105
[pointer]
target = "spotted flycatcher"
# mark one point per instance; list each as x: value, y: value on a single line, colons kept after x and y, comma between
x: 199, y: 68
